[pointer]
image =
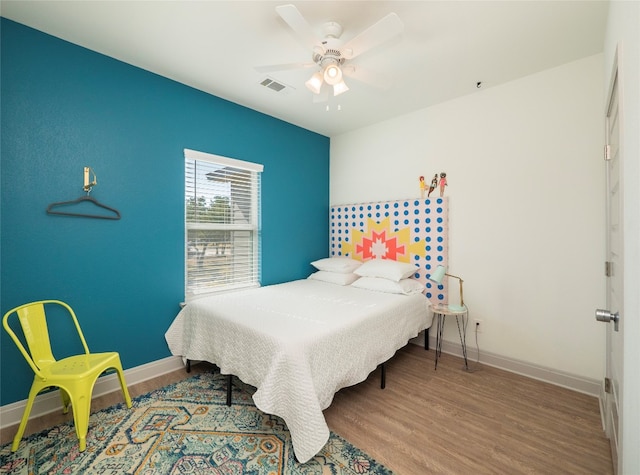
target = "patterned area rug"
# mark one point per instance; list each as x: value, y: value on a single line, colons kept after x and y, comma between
x: 185, y: 428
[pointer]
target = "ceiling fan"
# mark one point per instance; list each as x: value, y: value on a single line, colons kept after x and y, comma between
x: 330, y: 56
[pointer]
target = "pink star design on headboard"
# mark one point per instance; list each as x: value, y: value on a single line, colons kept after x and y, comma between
x: 379, y: 241
x: 368, y: 244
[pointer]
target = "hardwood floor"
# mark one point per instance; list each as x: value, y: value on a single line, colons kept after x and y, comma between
x: 448, y: 421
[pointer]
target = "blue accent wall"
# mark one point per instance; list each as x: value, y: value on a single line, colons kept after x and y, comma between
x: 65, y: 107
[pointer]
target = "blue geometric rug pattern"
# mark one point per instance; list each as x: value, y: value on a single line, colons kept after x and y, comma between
x: 185, y: 428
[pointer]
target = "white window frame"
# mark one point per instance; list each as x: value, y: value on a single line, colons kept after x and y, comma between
x: 253, y: 226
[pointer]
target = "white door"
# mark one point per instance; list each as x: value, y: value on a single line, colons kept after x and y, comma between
x: 613, y: 314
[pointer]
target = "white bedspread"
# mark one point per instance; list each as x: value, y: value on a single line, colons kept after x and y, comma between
x: 298, y: 343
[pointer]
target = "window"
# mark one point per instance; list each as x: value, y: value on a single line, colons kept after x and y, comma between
x: 222, y: 216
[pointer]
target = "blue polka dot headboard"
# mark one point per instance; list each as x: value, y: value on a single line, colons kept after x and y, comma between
x: 413, y: 230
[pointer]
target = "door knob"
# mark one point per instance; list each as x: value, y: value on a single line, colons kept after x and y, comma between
x: 606, y: 316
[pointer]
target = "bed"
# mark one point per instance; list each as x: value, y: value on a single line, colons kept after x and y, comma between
x: 300, y: 342
x: 299, y: 355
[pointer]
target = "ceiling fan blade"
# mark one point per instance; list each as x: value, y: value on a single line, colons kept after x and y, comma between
x: 372, y: 78
x: 292, y: 17
x: 283, y: 67
x: 380, y: 32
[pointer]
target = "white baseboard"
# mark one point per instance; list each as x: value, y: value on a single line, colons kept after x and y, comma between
x: 549, y: 375
x: 46, y: 403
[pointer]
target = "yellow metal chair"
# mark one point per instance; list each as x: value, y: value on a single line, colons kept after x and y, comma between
x: 74, y: 375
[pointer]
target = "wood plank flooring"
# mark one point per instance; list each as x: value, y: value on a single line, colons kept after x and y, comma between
x: 447, y: 421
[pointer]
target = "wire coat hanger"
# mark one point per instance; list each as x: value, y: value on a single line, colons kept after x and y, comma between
x: 87, y: 187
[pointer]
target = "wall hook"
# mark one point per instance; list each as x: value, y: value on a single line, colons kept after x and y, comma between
x: 88, y: 185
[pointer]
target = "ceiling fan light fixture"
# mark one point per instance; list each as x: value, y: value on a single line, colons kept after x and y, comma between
x: 314, y: 83
x: 333, y: 74
x: 340, y: 88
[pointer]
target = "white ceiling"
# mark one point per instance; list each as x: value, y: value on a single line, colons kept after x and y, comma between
x: 446, y: 48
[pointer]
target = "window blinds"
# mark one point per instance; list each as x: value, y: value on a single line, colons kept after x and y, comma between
x: 222, y: 216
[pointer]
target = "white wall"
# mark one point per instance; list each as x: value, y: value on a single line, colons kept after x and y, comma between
x: 526, y: 186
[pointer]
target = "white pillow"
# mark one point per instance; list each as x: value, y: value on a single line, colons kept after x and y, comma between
x: 334, y: 277
x: 404, y: 286
x: 344, y: 265
x: 386, y: 269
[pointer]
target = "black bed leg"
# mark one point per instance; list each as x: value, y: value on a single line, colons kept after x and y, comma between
x: 228, y: 390
x: 188, y: 366
x: 426, y: 339
x: 383, y: 376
